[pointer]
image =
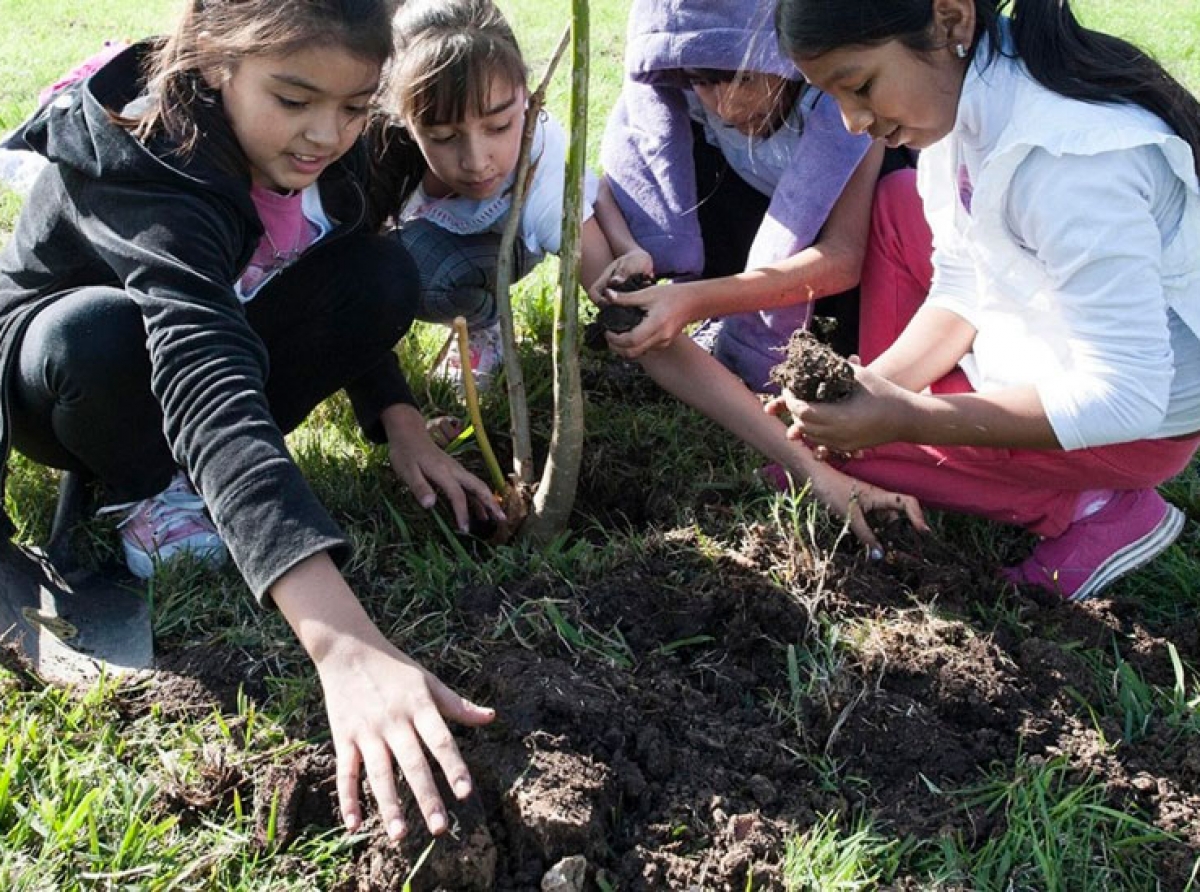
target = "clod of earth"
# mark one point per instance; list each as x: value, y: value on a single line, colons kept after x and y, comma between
x: 614, y: 317
x: 813, y: 371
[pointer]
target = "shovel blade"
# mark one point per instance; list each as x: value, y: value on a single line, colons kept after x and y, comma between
x: 71, y: 629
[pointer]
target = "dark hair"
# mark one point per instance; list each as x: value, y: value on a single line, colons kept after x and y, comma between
x: 1059, y: 52
x: 709, y: 75
x: 447, y: 54
x: 396, y: 167
x: 213, y: 35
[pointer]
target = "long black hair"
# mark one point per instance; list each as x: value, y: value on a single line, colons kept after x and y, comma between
x: 1059, y: 52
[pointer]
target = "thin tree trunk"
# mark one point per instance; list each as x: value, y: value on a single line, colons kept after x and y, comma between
x: 555, y: 496
x: 523, y: 469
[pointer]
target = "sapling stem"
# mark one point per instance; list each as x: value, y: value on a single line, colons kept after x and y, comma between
x: 471, y: 394
x: 515, y: 378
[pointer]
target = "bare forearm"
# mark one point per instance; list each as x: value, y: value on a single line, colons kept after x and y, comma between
x: 695, y: 377
x: 829, y: 266
x: 1008, y: 419
x: 595, y: 253
x: 322, y: 610
x: 815, y: 272
x: 612, y: 222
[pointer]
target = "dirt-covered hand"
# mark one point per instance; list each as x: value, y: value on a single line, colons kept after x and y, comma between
x: 666, y: 316
x: 636, y: 263
x: 873, y: 414
x: 385, y: 711
x: 427, y: 469
x: 848, y: 497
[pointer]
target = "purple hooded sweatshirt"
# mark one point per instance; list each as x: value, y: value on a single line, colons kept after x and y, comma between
x: 647, y: 157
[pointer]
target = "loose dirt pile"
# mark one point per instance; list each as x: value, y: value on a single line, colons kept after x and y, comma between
x: 670, y: 747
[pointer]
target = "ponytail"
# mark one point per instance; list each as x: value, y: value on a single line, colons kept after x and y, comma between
x: 1091, y: 66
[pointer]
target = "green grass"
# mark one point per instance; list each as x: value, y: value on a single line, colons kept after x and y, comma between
x: 1059, y: 834
x: 89, y: 793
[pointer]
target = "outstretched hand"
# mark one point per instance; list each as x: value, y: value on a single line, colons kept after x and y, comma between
x: 427, y: 469
x: 386, y: 711
x: 875, y: 413
x: 852, y: 500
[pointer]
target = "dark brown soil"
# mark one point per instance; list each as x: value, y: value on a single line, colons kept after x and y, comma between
x: 660, y: 735
x: 813, y: 371
x: 667, y: 748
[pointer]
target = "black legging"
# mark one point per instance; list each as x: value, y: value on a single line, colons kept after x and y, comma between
x: 81, y: 398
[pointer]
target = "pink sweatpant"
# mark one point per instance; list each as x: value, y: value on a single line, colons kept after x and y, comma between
x: 1033, y: 488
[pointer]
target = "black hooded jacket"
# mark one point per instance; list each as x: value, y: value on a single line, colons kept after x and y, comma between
x: 176, y: 233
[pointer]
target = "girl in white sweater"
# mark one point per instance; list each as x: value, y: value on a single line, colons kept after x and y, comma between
x: 1051, y: 378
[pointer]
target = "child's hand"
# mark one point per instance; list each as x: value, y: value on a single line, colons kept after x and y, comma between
x: 634, y: 263
x: 427, y: 469
x: 848, y: 497
x: 667, y: 313
x: 386, y: 711
x: 874, y: 414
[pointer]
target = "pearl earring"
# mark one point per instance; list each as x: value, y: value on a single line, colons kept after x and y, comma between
x: 960, y: 51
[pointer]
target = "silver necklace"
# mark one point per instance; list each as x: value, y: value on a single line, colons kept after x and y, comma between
x: 284, y: 258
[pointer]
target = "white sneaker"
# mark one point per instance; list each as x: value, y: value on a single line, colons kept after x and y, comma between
x: 159, y: 529
x: 18, y: 169
x: 487, y: 357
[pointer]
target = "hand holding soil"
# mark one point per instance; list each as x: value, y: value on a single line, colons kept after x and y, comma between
x: 616, y: 317
x: 835, y: 404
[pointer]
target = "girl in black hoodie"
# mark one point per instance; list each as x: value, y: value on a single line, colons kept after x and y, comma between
x: 191, y: 276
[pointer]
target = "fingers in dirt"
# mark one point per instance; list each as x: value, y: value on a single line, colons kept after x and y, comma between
x: 912, y: 509
x: 378, y: 761
x: 440, y: 742
x: 484, y: 498
x: 415, y: 768
x: 862, y: 529
x: 349, y: 774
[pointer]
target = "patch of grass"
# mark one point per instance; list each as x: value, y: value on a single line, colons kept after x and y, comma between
x: 82, y: 789
x: 831, y: 857
x: 1139, y: 705
x: 1058, y: 831
x: 39, y: 41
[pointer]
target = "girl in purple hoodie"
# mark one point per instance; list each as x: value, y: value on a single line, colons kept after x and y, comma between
x: 741, y: 184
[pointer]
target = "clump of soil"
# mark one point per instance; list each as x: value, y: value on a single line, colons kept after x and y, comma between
x: 813, y: 371
x: 636, y: 282
x: 615, y: 317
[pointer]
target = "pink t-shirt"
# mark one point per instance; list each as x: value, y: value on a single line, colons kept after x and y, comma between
x: 287, y: 233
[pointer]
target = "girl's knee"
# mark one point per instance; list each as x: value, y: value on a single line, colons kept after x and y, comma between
x: 476, y: 305
x: 96, y: 334
x: 387, y: 284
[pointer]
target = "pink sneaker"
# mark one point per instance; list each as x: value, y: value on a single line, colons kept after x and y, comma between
x: 774, y: 476
x: 158, y: 529
x: 1135, y: 527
